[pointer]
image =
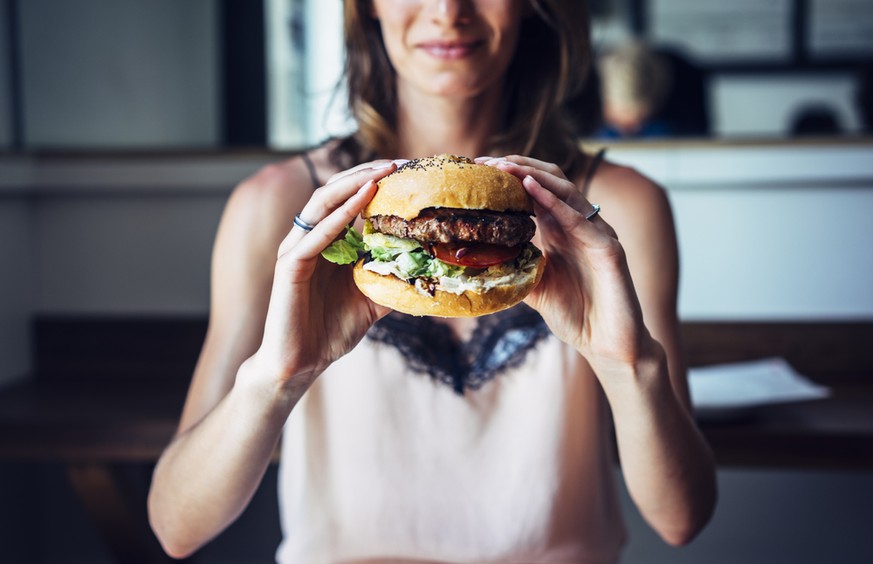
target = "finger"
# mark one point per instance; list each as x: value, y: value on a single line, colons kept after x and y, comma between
x: 557, y: 183
x: 328, y: 198
x: 332, y: 195
x: 531, y: 162
x: 329, y: 228
x: 486, y: 158
x: 363, y: 166
x: 566, y: 216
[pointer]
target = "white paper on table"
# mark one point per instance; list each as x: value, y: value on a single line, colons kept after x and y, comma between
x: 723, y: 388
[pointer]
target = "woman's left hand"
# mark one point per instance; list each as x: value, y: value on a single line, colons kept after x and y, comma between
x: 586, y: 295
x: 587, y: 298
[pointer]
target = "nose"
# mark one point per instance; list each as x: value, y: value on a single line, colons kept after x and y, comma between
x: 452, y: 11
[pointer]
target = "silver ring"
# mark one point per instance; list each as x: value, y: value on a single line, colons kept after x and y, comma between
x: 593, y: 212
x: 302, y: 224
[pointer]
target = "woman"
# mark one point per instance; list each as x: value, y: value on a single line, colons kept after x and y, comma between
x: 379, y: 461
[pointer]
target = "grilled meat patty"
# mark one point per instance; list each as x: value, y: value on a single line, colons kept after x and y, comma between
x: 449, y: 225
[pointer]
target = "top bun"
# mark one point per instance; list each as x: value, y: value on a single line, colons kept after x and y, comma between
x: 447, y: 181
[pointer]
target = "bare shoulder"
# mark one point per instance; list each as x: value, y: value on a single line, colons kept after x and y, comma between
x: 275, y: 186
x: 634, y: 204
x: 262, y: 207
x: 628, y: 192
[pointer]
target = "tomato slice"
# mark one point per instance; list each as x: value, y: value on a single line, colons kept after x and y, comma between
x: 475, y: 255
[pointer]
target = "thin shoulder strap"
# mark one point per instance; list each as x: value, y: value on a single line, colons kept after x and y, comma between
x: 313, y: 175
x: 591, y: 169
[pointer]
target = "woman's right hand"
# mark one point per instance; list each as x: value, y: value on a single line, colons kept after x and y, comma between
x: 316, y: 313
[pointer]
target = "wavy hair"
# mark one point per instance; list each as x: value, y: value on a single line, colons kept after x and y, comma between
x: 550, y: 65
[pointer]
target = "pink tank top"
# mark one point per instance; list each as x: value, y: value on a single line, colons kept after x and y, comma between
x: 507, y: 463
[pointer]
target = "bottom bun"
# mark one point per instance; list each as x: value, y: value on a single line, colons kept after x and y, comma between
x: 401, y: 296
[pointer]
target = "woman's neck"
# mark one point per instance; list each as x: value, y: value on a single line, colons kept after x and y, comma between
x: 432, y: 125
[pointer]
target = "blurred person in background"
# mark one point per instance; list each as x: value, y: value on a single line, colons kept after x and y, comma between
x: 651, y: 91
x: 635, y: 81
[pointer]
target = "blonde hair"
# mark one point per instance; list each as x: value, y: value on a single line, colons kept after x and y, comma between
x: 551, y: 64
x: 634, y: 76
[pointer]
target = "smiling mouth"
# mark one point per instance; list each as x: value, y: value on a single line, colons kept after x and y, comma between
x: 450, y: 50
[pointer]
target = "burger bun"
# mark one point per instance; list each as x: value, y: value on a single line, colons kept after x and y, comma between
x: 404, y: 297
x: 447, y: 181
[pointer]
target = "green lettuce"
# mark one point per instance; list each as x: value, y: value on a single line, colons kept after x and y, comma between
x: 389, y: 243
x: 411, y: 260
x: 345, y: 250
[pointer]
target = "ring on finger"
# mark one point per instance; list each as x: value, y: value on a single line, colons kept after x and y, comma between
x: 299, y: 222
x: 593, y: 212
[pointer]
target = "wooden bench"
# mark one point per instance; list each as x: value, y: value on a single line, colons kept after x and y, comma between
x: 110, y: 391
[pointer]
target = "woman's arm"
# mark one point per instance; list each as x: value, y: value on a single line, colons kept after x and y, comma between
x: 668, y: 467
x: 266, y: 344
x: 615, y: 302
x: 208, y: 474
x: 255, y: 220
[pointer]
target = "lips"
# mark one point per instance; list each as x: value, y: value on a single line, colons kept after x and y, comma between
x: 449, y: 50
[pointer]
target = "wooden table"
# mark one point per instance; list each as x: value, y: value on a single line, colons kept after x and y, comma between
x: 830, y: 434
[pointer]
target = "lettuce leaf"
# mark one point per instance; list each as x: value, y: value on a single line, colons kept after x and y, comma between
x: 345, y: 250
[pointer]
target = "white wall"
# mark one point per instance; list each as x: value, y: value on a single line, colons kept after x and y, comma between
x: 765, y: 106
x: 121, y: 255
x: 129, y: 235
x: 768, y: 231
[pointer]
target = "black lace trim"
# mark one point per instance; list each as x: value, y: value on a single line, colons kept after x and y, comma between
x: 500, y: 341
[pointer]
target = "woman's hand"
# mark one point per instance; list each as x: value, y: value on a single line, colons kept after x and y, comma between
x: 586, y: 295
x: 316, y: 313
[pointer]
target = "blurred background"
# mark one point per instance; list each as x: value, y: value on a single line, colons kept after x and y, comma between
x: 125, y: 124
x: 207, y: 74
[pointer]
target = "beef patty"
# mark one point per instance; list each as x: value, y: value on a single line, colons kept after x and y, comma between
x: 450, y: 225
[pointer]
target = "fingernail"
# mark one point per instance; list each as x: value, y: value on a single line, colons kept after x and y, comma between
x: 382, y: 166
x: 400, y: 162
x: 496, y: 162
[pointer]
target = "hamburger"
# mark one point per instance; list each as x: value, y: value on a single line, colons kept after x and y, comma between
x: 447, y: 237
